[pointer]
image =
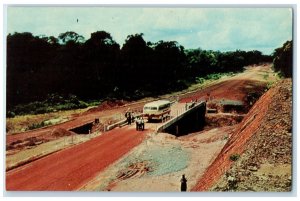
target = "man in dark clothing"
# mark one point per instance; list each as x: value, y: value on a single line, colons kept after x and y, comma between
x: 183, y: 183
x: 129, y: 118
x: 142, y: 124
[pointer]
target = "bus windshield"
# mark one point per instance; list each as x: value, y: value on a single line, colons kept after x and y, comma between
x: 164, y: 106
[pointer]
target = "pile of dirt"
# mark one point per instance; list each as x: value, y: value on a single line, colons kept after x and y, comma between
x: 132, y: 171
x: 222, y: 119
x: 258, y: 155
x: 112, y: 104
x: 60, y: 132
x: 226, y: 105
x: 106, y: 105
x: 29, y: 142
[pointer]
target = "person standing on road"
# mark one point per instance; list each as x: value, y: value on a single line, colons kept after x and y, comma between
x: 183, y: 183
x: 142, y: 124
x: 129, y: 118
x: 137, y: 123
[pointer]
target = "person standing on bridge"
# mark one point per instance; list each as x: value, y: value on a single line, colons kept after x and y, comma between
x: 183, y: 183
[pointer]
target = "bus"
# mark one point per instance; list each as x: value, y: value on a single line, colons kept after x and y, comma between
x: 157, y: 109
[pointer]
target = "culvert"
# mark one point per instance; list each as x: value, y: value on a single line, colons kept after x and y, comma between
x: 83, y: 129
x: 190, y: 121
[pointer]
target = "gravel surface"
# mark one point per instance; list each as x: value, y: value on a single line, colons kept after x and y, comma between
x: 163, y: 159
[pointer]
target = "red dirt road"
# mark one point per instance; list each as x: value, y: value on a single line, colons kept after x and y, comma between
x: 70, y: 168
x: 233, y: 88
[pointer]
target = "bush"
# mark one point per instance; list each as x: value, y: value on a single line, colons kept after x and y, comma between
x: 266, y: 76
x: 35, y: 126
x: 38, y: 125
x: 269, y: 85
x: 213, y: 76
x: 234, y: 157
x: 200, y: 80
x: 52, y: 103
x: 10, y: 114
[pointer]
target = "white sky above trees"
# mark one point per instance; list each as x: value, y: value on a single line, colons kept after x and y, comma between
x: 223, y: 29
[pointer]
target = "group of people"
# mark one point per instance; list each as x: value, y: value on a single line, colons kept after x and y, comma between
x: 140, y: 123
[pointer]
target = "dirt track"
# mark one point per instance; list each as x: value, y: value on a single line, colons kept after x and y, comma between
x: 70, y: 168
x: 232, y: 88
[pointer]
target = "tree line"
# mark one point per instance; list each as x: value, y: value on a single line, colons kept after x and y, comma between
x: 283, y: 59
x: 99, y: 68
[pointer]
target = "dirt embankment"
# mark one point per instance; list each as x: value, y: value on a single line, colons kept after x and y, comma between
x: 258, y: 155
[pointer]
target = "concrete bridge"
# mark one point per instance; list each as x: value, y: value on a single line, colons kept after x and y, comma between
x: 191, y: 119
x: 185, y: 118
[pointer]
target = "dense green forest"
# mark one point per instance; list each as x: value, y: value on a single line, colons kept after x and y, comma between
x: 70, y: 68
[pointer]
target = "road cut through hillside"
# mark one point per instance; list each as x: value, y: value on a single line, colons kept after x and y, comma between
x: 263, y: 138
x: 71, y: 168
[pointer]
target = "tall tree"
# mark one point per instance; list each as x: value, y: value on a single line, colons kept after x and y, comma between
x: 135, y: 59
x: 101, y: 59
x: 169, y: 61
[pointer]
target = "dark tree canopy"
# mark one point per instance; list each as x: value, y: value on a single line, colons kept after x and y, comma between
x: 70, y: 36
x: 97, y: 68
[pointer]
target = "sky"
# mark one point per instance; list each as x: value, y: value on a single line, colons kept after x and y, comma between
x: 224, y: 29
